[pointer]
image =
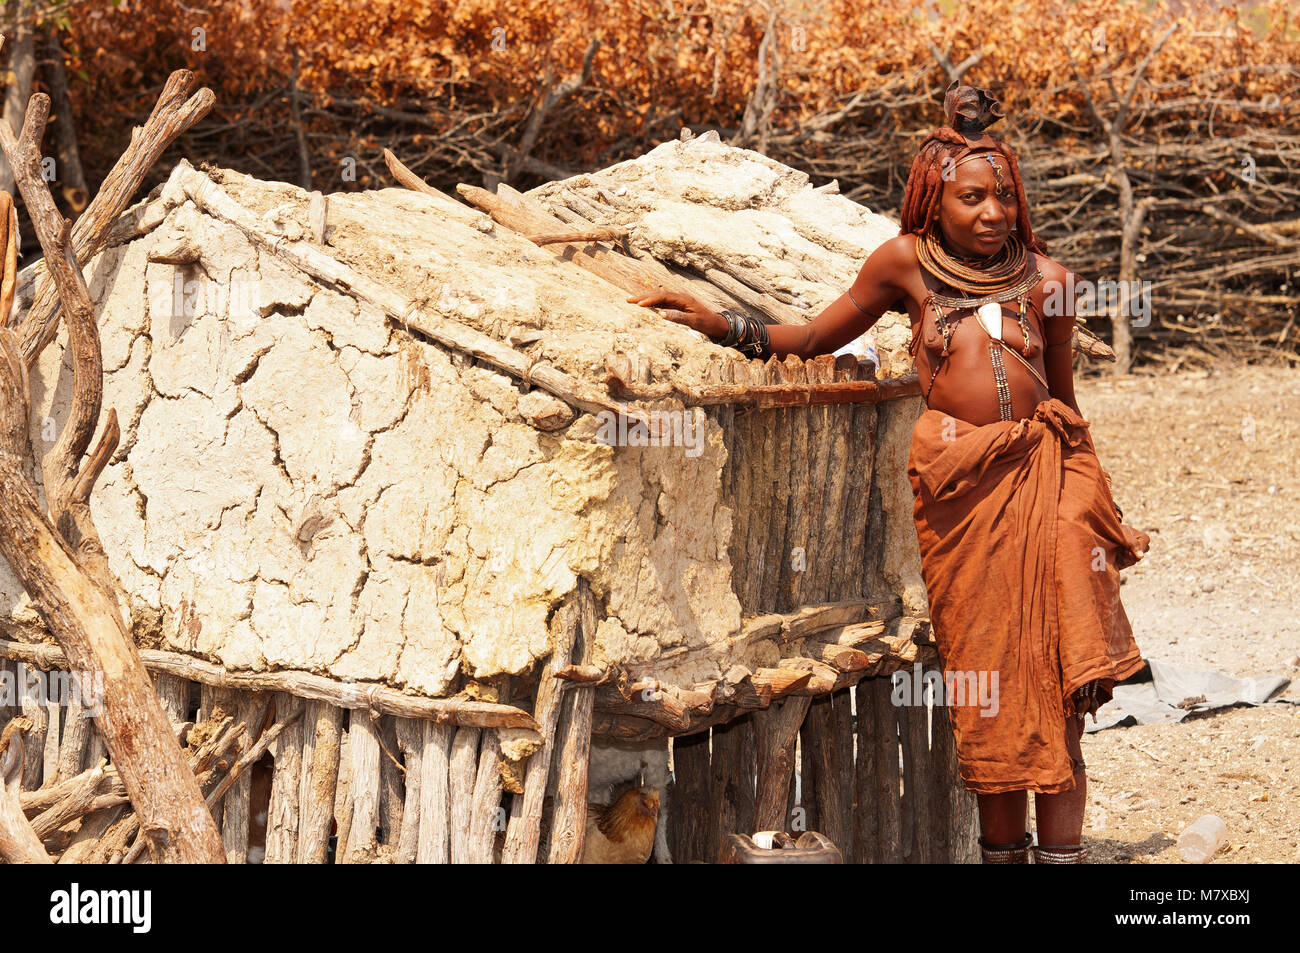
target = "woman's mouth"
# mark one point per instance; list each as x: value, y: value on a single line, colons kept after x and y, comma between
x: 989, y: 237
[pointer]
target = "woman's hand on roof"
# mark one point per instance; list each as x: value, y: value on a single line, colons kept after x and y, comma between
x: 683, y: 308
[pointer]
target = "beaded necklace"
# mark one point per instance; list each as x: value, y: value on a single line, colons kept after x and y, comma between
x: 1002, y: 277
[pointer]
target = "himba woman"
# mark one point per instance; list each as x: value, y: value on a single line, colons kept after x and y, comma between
x: 1021, y: 541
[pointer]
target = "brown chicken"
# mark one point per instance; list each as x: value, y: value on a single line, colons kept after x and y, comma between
x: 623, y: 832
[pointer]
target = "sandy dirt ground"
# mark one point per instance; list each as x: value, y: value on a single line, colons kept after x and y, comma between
x: 1206, y: 463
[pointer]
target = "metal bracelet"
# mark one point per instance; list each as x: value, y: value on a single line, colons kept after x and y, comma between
x: 755, y: 343
x: 859, y: 307
x: 735, y: 327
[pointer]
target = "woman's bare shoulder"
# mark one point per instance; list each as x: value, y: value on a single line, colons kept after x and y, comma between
x: 901, y: 249
x: 1053, y: 271
x: 1055, y: 292
x: 893, y: 261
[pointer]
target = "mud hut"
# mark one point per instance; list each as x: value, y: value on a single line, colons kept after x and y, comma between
x: 435, y: 538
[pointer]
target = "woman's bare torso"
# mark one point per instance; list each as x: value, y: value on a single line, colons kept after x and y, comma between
x: 965, y: 386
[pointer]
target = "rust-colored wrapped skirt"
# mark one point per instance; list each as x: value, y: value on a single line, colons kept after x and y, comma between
x: 1021, y: 550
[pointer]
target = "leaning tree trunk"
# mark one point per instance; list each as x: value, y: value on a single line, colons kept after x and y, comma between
x: 58, y: 557
x: 22, y: 67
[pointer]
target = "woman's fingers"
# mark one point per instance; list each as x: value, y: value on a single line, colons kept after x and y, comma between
x: 678, y: 307
x: 652, y: 299
x: 656, y: 299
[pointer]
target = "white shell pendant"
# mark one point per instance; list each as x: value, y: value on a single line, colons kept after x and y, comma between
x: 990, y: 316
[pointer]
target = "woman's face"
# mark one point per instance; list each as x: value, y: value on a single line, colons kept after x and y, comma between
x: 974, y: 213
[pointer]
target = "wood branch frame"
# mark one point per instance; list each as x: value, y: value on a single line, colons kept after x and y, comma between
x: 174, y: 113
x: 58, y: 557
x: 306, y: 685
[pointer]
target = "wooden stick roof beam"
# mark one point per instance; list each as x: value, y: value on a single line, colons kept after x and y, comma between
x: 381, y: 698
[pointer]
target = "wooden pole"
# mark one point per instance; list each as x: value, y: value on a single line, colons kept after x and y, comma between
x: 8, y: 676
x: 961, y: 820
x: 212, y: 708
x: 733, y: 765
x: 887, y: 797
x: 78, y: 726
x: 363, y: 788
x: 410, y: 741
x: 573, y: 745
x: 835, y: 503
x: 236, y: 805
x: 33, y: 766
x: 857, y: 496
x: 53, y: 738
x: 940, y: 819
x: 487, y: 817
x: 462, y: 774
x: 794, y: 547
x: 306, y: 685
x: 813, y: 770
x: 524, y: 831
x: 283, y: 814
x: 434, y: 845
x: 692, y: 834
x: 322, y: 729
x: 391, y: 789
x: 776, y: 729
x: 866, y: 820
x: 19, y: 843
x: 778, y: 477
x: 834, y: 757
x: 173, y: 694
x: 917, y: 784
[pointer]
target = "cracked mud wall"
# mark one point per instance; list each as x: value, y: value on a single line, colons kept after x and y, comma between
x: 301, y: 485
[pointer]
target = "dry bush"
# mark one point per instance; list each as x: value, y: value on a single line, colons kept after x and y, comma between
x: 844, y: 89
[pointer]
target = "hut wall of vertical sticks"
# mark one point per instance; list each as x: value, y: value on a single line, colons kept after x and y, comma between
x: 415, y: 584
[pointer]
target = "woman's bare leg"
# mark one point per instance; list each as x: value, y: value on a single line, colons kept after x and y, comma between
x: 1002, y: 817
x: 1060, y: 816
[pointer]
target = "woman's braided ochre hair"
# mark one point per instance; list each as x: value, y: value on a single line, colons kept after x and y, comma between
x: 969, y: 111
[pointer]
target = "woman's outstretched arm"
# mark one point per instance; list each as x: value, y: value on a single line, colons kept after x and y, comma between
x: 875, y: 288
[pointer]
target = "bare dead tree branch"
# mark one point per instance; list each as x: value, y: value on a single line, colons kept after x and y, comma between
x: 59, y: 559
x: 174, y: 113
x: 18, y: 842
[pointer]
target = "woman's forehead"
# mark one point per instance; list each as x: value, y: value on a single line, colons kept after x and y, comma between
x: 979, y: 172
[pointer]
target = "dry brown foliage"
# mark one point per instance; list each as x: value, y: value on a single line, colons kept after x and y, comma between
x: 498, y: 89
